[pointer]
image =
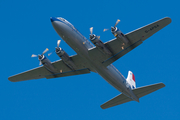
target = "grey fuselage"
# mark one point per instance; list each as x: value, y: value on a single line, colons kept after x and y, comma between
x: 81, y: 46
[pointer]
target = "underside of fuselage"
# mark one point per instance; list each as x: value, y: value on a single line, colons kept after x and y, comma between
x: 75, y: 40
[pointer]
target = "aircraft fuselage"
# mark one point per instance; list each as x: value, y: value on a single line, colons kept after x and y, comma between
x: 81, y: 45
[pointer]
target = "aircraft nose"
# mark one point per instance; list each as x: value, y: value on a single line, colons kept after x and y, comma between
x: 53, y: 19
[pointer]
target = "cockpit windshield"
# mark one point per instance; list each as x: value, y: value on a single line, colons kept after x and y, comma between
x: 62, y: 19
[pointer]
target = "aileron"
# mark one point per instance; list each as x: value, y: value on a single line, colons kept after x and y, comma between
x: 145, y: 32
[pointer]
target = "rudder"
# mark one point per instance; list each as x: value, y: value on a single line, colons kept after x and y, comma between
x: 131, y: 80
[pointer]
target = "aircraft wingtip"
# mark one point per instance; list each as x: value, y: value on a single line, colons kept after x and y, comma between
x: 103, y: 107
x: 169, y: 19
x: 10, y: 79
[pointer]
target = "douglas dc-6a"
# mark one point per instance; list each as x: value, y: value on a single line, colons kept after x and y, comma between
x: 97, y: 57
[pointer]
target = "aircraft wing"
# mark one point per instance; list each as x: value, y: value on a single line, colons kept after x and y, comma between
x: 135, y: 38
x: 64, y: 70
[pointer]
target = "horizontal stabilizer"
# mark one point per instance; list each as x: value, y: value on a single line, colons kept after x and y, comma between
x: 142, y: 91
x: 120, y: 99
x: 139, y: 92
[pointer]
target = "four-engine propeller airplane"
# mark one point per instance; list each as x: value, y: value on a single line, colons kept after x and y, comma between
x: 98, y: 58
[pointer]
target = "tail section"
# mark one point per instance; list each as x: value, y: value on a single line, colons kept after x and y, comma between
x: 131, y: 80
x: 139, y: 92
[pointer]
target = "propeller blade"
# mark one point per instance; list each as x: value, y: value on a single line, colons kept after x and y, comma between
x: 51, y: 53
x: 45, y: 51
x: 40, y: 63
x: 58, y: 43
x: 33, y: 55
x: 105, y: 30
x: 91, y: 30
x: 117, y: 22
x: 84, y: 42
x: 98, y: 37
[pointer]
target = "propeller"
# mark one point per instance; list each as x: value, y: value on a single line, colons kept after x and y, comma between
x: 57, y: 48
x: 92, y: 35
x: 40, y: 56
x: 112, y: 28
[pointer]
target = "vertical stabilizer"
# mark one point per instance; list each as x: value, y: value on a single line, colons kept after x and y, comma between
x: 131, y: 80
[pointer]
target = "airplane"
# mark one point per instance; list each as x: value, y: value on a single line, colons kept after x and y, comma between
x: 96, y: 57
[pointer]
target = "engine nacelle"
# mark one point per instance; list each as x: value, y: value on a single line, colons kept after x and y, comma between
x: 47, y: 63
x: 65, y: 57
x: 96, y: 41
x: 99, y: 44
x: 119, y: 35
x: 62, y: 54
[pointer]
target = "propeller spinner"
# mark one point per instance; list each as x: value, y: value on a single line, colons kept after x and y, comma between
x: 57, y: 48
x: 92, y: 36
x: 40, y: 57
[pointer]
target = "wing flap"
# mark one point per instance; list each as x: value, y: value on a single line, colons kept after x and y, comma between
x: 121, y: 53
x: 69, y: 73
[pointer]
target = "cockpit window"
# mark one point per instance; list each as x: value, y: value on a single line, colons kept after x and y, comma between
x: 65, y: 21
x: 62, y: 19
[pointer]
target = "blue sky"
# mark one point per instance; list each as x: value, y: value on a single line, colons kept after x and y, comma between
x: 26, y: 29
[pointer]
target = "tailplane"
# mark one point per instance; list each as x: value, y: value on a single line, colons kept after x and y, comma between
x: 139, y: 92
x: 131, y: 80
